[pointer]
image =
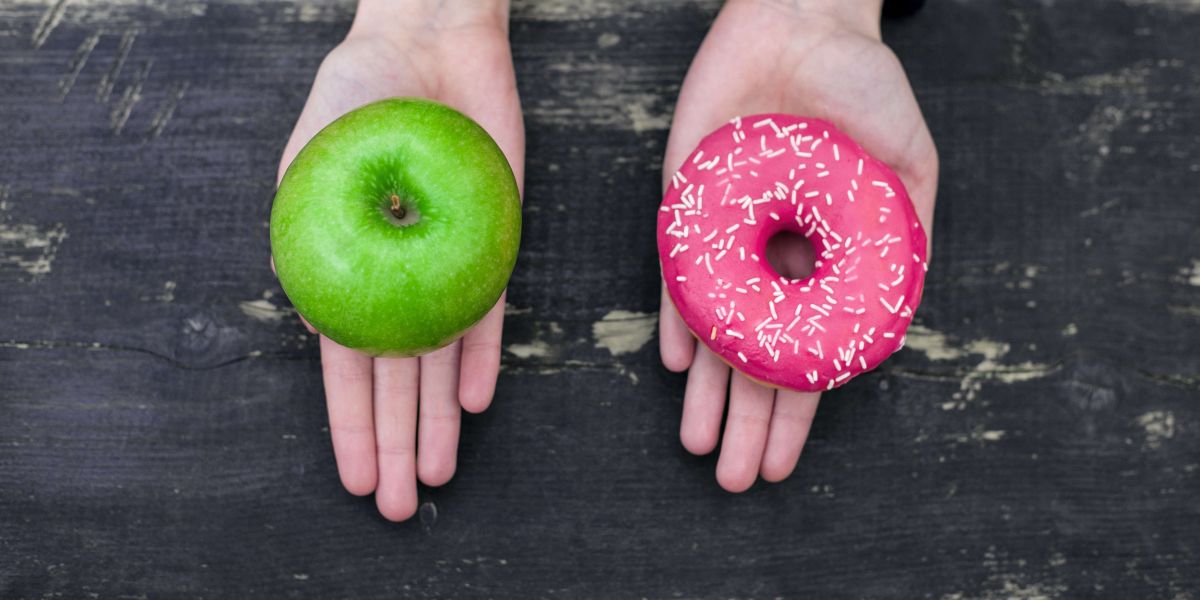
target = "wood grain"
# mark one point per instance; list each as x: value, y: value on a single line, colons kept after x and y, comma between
x: 162, y: 430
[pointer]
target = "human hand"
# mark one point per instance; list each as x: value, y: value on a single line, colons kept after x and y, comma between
x: 396, y: 420
x: 814, y: 58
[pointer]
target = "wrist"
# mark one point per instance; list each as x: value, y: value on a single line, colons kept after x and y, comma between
x: 861, y: 16
x: 388, y: 17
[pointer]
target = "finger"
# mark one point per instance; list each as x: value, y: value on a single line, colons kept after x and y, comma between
x: 704, y: 402
x: 348, y: 395
x: 438, y: 421
x: 790, y: 422
x: 396, y: 386
x: 675, y: 342
x: 745, y: 433
x: 481, y: 361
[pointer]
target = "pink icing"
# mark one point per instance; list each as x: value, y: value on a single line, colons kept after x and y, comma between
x: 762, y: 174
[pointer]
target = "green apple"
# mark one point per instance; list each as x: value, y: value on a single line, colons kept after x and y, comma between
x: 395, y: 229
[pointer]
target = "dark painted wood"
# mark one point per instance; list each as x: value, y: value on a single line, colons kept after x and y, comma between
x: 162, y: 431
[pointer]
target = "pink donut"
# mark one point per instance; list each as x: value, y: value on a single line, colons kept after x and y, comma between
x: 757, y: 176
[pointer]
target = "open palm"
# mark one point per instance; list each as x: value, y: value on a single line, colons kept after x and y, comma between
x: 772, y: 57
x: 396, y: 420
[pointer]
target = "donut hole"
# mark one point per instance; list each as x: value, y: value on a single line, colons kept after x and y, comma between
x: 791, y: 255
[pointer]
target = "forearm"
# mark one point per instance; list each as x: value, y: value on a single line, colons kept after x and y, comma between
x: 382, y: 16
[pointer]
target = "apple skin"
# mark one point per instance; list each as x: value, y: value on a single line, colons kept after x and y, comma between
x: 358, y: 276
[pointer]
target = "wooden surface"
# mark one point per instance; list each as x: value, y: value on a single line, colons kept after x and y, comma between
x: 162, y: 429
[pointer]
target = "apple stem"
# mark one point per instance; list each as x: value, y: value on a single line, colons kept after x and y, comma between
x: 397, y: 209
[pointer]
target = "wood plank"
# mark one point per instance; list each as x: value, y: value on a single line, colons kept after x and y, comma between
x: 162, y: 430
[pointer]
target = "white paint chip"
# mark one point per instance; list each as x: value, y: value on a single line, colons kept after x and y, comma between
x: 30, y: 248
x: 534, y: 349
x: 624, y: 332
x: 263, y: 310
x: 936, y: 346
x: 1159, y: 426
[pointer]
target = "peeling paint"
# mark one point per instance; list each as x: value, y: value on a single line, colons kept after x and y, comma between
x: 29, y: 247
x: 1190, y: 276
x: 1012, y: 588
x: 263, y: 310
x: 510, y: 309
x: 608, y: 39
x: 534, y: 349
x: 624, y: 332
x: 540, y: 346
x: 1175, y: 5
x: 936, y: 346
x: 1159, y: 426
x: 978, y: 435
x: 166, y: 295
x: 581, y: 10
x: 933, y: 344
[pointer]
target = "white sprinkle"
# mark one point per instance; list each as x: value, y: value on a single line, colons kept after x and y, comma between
x: 793, y: 323
x: 890, y: 308
x: 742, y: 356
x: 732, y: 333
x: 842, y: 377
x: 889, y: 335
x: 680, y: 278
